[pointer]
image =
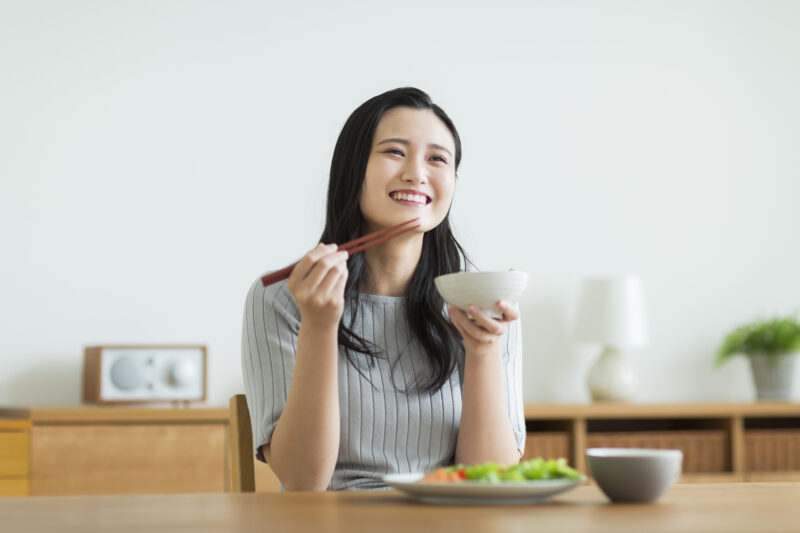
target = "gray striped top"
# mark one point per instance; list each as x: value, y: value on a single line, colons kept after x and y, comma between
x: 383, y: 429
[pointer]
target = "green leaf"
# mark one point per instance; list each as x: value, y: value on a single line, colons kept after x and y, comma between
x: 772, y: 337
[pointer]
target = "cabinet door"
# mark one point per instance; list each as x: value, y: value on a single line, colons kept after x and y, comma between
x: 128, y: 458
x: 14, y: 463
x: 14, y: 487
x: 14, y: 454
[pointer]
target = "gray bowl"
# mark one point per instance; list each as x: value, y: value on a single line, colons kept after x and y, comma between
x: 634, y: 474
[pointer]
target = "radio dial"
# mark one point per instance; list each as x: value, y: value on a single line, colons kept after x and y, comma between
x: 126, y: 373
x: 182, y: 373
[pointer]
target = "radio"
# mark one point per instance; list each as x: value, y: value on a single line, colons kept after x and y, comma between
x: 140, y: 374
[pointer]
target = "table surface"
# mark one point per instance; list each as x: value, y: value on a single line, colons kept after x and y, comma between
x: 728, y: 507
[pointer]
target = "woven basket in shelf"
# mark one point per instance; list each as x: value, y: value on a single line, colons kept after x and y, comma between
x: 703, y: 451
x: 549, y: 445
x: 769, y: 450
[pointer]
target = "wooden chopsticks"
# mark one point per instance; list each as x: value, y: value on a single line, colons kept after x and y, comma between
x: 352, y: 247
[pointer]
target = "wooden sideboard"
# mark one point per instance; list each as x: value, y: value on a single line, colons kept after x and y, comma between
x: 127, y: 450
x: 116, y: 450
x: 720, y: 441
x: 99, y: 450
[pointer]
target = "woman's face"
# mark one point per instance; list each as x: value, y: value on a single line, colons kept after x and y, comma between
x: 410, y: 172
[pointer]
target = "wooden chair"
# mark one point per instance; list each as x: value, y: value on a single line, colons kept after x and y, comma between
x: 241, y: 435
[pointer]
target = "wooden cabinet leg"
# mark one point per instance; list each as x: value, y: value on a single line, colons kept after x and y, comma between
x: 578, y: 431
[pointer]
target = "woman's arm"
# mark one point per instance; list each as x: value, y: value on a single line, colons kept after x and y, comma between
x: 485, y: 432
x: 305, y: 442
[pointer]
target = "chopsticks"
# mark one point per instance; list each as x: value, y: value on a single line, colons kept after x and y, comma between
x: 352, y: 247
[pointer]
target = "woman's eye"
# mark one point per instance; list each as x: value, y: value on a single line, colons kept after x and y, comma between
x: 439, y: 158
x: 394, y: 151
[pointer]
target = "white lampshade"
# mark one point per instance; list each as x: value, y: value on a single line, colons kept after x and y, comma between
x: 611, y: 312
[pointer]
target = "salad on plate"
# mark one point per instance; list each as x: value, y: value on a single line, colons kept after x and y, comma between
x: 531, y: 470
x: 531, y: 481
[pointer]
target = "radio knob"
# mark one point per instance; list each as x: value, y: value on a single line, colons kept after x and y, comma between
x: 182, y: 373
x: 126, y: 373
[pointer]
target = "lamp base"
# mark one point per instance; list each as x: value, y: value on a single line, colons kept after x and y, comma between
x: 612, y: 378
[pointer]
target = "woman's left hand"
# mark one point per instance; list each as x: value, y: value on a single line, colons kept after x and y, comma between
x: 482, y: 336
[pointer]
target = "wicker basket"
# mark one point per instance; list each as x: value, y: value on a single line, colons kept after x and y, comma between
x: 703, y: 451
x: 548, y: 445
x: 768, y: 450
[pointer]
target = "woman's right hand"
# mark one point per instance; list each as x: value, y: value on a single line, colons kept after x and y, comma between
x: 317, y: 284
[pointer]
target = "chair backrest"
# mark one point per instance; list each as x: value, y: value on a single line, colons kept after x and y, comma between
x: 241, y: 443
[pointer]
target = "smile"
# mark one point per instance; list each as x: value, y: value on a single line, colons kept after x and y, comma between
x: 410, y: 198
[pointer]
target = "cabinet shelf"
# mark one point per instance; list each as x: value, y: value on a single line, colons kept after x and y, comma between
x: 720, y: 441
x: 78, y: 450
x: 113, y: 450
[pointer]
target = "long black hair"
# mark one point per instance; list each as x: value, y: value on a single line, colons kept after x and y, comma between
x: 441, y: 253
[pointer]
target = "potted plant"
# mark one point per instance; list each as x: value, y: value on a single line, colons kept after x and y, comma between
x: 771, y: 345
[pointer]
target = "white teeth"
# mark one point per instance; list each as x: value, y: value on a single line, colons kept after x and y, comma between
x: 418, y: 198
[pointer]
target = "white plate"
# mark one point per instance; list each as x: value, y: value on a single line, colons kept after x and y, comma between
x: 503, y: 493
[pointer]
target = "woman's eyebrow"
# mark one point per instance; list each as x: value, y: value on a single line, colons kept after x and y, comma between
x: 406, y: 143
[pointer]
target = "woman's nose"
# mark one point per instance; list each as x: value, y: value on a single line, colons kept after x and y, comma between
x: 414, y: 173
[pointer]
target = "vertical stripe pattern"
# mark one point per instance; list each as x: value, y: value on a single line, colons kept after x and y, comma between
x: 383, y: 428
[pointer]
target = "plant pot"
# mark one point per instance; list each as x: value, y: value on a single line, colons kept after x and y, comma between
x: 773, y: 375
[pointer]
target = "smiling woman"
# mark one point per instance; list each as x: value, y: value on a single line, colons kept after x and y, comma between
x: 353, y: 367
x: 406, y: 171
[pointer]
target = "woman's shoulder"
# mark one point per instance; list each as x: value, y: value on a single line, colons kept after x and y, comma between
x: 276, y: 296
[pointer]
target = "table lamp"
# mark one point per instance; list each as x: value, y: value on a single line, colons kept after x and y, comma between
x: 611, y: 312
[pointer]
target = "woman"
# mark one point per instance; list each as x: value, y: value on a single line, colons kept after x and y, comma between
x: 352, y: 368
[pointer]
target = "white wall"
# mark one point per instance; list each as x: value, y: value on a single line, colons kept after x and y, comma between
x: 156, y: 157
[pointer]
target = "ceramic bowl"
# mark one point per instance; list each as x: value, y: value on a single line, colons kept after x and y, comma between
x: 483, y: 289
x: 634, y: 474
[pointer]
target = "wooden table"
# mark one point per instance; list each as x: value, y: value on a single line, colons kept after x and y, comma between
x: 723, y: 507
